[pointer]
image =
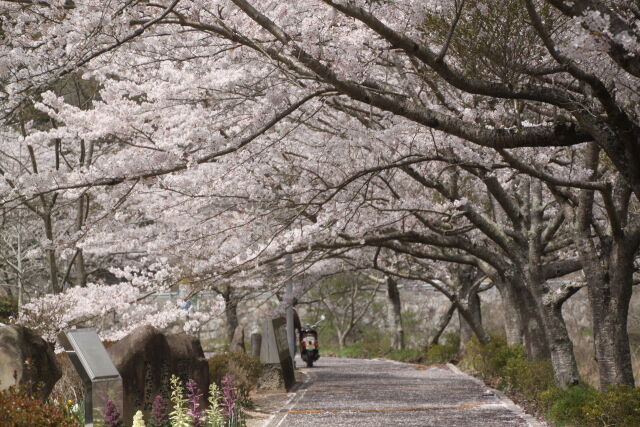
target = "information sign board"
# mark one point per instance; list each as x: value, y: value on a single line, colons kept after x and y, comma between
x: 101, y: 379
x: 275, y: 348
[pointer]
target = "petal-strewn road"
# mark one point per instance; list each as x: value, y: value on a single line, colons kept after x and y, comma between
x: 357, y: 392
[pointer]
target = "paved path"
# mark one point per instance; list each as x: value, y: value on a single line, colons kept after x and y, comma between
x: 357, y: 392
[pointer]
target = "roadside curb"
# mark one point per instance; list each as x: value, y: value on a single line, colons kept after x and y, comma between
x: 510, y: 404
x: 296, y: 392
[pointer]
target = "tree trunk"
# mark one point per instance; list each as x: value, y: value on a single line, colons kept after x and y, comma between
x: 609, y: 296
x: 51, y: 256
x: 463, y: 279
x: 533, y: 331
x: 231, y: 311
x: 237, y: 342
x: 442, y: 324
x: 608, y: 266
x: 81, y: 273
x: 565, y: 369
x: 394, y: 315
x: 474, y: 323
x: 466, y: 332
x: 341, y: 338
x: 512, y: 319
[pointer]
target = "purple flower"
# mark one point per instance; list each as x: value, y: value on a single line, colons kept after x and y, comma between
x: 193, y: 398
x: 159, y: 413
x: 112, y: 416
x: 229, y: 398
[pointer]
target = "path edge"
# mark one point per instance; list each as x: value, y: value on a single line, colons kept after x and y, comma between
x: 504, y: 399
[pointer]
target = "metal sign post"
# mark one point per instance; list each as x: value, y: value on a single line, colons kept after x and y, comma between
x: 102, y: 381
x: 288, y: 298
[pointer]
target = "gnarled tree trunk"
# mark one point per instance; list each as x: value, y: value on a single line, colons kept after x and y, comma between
x: 441, y: 325
x: 609, y: 297
x: 394, y: 314
x: 231, y: 311
x: 513, y: 328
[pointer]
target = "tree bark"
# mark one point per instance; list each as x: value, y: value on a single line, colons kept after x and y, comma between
x: 513, y: 328
x: 609, y: 296
x: 231, y: 311
x: 394, y: 314
x: 474, y: 324
x: 533, y: 331
x: 608, y: 264
x: 51, y: 256
x: 442, y: 324
x: 341, y: 338
x: 466, y: 332
x: 81, y: 273
x: 565, y: 368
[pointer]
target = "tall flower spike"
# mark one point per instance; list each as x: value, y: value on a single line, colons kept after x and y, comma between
x: 193, y: 399
x: 112, y: 417
x: 179, y: 416
x: 229, y: 398
x: 159, y: 414
x: 214, y: 413
x: 138, y: 420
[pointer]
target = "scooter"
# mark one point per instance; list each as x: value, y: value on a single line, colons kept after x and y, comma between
x: 309, y: 350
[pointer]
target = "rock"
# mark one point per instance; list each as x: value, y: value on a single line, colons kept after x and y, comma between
x: 27, y: 359
x: 271, y: 378
x: 146, y: 359
x: 190, y: 361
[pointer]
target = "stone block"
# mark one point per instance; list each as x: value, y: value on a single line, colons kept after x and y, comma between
x: 146, y: 360
x: 27, y: 359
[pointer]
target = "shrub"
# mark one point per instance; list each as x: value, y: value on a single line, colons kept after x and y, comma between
x: 405, y: 355
x: 618, y: 406
x: 566, y: 407
x: 8, y: 308
x: 444, y: 352
x: 245, y: 370
x: 19, y: 409
x: 532, y: 382
x: 491, y: 359
x: 529, y: 379
x: 70, y: 385
x: 583, y: 405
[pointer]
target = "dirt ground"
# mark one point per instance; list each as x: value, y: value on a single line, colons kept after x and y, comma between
x: 268, y: 403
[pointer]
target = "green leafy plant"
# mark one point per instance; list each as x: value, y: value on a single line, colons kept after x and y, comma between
x: 533, y: 385
x: 8, y: 308
x: 530, y: 379
x: 566, y: 407
x: 405, y: 355
x: 244, y: 368
x: 584, y: 406
x: 490, y: 360
x: 445, y: 351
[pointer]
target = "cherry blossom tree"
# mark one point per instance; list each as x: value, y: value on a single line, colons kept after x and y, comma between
x: 415, y: 137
